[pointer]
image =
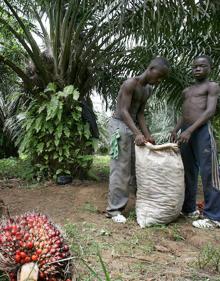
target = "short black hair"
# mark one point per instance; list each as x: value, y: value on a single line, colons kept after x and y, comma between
x: 204, y: 57
x: 161, y: 61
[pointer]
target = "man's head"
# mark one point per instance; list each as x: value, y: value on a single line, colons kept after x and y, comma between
x: 157, y: 70
x: 201, y: 67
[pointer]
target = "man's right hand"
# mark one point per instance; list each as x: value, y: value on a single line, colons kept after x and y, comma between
x: 150, y: 139
x: 139, y: 139
x: 173, y: 136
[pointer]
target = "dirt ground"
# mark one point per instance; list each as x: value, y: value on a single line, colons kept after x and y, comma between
x: 176, y: 252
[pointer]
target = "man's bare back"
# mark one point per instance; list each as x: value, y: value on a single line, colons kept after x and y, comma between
x: 139, y: 97
x: 132, y: 98
x: 195, y: 100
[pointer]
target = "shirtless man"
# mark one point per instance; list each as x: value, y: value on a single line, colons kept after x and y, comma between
x: 198, y: 148
x: 126, y: 126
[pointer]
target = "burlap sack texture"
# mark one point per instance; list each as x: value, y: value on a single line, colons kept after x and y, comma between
x: 160, y: 184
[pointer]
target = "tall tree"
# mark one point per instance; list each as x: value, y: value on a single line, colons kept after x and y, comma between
x: 9, y: 101
x: 9, y: 118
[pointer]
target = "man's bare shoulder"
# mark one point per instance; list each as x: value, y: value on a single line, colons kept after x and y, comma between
x: 214, y: 87
x: 128, y: 86
x: 130, y: 82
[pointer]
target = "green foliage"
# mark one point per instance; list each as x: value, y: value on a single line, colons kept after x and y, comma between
x: 9, y: 119
x: 160, y: 117
x: 7, y: 147
x: 103, y: 142
x: 16, y: 168
x: 104, y: 268
x: 132, y: 215
x: 176, y: 233
x: 23, y: 169
x: 100, y: 167
x: 99, y: 45
x: 94, y: 273
x: 209, y: 258
x: 55, y: 137
x: 3, y: 276
x: 216, y: 129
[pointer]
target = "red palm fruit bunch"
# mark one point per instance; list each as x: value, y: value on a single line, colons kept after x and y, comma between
x: 34, y: 238
x: 200, y: 206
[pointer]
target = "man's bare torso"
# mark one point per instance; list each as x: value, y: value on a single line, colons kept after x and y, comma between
x: 195, y: 101
x: 139, y: 97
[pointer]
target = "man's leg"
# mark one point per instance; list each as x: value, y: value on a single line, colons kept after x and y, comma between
x: 209, y: 172
x: 120, y: 171
x: 191, y: 177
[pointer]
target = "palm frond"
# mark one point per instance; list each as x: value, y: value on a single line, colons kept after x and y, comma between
x: 97, y: 46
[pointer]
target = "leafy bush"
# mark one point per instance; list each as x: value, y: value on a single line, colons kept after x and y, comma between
x: 7, y: 147
x: 103, y: 142
x: 216, y: 128
x: 55, y: 137
x: 16, y: 168
x: 100, y: 167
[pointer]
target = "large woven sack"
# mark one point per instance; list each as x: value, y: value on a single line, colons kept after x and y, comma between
x: 160, y: 183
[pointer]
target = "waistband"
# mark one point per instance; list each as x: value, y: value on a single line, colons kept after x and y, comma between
x: 120, y: 119
x: 185, y: 126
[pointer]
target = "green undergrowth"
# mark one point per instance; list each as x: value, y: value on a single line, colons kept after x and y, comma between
x: 24, y: 170
x: 16, y: 168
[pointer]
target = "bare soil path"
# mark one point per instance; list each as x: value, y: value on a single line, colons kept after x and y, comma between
x: 176, y: 252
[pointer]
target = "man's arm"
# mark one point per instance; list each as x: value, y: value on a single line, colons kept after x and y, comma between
x: 141, y: 119
x: 127, y: 90
x: 178, y: 124
x: 142, y: 123
x: 173, y: 136
x: 212, y: 99
x: 140, y: 114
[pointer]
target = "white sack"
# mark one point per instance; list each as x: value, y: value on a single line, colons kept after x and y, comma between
x: 160, y: 183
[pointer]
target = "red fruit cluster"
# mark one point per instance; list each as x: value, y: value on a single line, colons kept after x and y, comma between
x: 200, y: 206
x: 33, y: 238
